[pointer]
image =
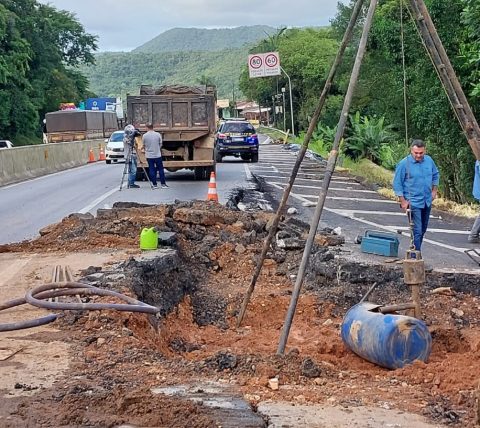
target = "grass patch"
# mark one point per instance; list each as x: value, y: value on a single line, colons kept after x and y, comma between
x: 463, y: 210
x: 373, y: 174
x: 275, y: 134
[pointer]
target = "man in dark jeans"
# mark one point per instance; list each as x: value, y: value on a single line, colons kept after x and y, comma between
x: 415, y: 184
x: 130, y: 154
x: 152, y: 145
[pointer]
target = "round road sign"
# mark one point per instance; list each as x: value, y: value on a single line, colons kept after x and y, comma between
x: 256, y: 61
x: 271, y: 60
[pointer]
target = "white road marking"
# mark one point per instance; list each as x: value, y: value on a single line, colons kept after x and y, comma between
x: 335, y: 179
x: 267, y: 168
x: 342, y: 198
x: 248, y: 173
x: 376, y: 225
x: 351, y: 213
x: 450, y: 231
x: 339, y: 189
x: 97, y: 201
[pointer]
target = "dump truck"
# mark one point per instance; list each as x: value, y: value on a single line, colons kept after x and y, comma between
x: 185, y: 116
x: 77, y: 125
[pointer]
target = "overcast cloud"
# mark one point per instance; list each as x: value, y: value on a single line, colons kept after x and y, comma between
x: 122, y: 25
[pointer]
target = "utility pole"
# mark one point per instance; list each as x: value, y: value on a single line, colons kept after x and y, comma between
x: 274, y: 112
x: 291, y: 99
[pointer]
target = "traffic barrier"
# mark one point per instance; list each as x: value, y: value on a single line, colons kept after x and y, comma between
x: 212, y: 189
x: 102, y: 155
x: 91, y: 156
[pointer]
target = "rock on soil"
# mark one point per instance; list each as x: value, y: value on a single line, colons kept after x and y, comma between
x: 198, y: 281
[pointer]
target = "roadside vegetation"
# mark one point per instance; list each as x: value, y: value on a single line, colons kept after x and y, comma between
x: 46, y: 54
x: 39, y: 46
x: 369, y: 155
x: 377, y: 128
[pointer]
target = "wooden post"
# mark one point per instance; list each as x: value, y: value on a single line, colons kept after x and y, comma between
x: 332, y: 161
x: 414, y: 276
x: 446, y: 74
x: 300, y: 156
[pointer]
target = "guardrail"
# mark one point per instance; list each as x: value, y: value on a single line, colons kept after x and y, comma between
x: 21, y: 163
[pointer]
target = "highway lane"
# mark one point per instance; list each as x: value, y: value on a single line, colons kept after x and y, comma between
x: 31, y: 205
x: 357, y: 209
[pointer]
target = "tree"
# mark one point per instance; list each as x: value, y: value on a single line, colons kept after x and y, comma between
x: 39, y: 47
x: 306, y: 55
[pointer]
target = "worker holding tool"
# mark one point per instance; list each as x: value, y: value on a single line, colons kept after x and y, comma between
x: 474, y: 236
x: 415, y: 184
x: 130, y: 155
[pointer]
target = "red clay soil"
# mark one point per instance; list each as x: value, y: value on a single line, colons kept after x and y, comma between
x: 120, y: 356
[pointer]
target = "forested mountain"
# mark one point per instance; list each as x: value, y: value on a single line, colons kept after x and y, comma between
x: 201, y: 39
x: 120, y: 73
x: 178, y: 56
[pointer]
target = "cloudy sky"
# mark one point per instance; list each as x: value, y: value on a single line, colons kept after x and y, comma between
x: 122, y: 25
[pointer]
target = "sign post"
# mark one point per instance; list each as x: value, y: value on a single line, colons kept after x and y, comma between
x: 266, y: 65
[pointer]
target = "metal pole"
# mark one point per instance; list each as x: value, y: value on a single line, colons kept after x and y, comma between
x: 332, y: 160
x: 291, y: 101
x: 284, y: 117
x: 274, y: 112
x: 301, y: 154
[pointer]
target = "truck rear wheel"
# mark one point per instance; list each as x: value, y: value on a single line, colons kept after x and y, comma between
x: 218, y: 157
x: 199, y: 173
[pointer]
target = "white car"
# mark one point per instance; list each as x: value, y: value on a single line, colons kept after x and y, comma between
x: 6, y: 144
x: 115, y: 150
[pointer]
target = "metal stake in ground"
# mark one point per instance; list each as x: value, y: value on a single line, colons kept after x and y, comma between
x: 300, y: 156
x: 332, y: 161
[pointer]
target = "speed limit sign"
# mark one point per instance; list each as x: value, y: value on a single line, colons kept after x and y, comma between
x: 264, y: 64
x: 272, y: 64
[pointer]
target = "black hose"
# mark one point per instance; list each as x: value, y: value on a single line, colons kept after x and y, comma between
x: 29, y: 323
x: 57, y: 289
x: 132, y: 305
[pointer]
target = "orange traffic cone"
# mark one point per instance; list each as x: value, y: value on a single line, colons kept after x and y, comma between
x: 91, y: 156
x: 102, y: 155
x: 212, y: 189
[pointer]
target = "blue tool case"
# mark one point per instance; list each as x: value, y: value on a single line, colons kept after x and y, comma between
x: 381, y: 243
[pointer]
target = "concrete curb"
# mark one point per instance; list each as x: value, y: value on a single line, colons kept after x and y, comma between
x: 22, y: 163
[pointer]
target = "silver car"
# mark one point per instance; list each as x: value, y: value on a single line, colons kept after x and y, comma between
x: 114, y: 151
x: 6, y: 144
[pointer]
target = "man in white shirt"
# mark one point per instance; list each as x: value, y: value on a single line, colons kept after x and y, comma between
x: 152, y: 145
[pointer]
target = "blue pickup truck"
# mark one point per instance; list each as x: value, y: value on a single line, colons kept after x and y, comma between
x: 236, y: 137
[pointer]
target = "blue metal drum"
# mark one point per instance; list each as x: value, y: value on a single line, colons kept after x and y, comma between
x: 390, y: 341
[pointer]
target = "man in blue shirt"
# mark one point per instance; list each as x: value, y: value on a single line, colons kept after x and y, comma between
x: 474, y: 236
x: 415, y: 183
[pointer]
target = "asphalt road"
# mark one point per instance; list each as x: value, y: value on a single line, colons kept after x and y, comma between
x: 28, y: 206
x: 356, y: 209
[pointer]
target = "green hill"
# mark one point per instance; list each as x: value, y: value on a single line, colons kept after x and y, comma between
x: 179, y: 56
x: 116, y: 74
x: 201, y: 39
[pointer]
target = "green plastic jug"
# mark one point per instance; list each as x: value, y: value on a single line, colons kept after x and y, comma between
x: 149, y: 239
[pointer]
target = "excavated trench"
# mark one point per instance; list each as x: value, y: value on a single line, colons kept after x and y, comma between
x: 198, y: 278
x: 170, y: 276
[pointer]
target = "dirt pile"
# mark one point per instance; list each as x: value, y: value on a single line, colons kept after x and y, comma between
x: 199, y: 285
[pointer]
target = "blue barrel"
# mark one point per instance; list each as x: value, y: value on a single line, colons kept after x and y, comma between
x: 390, y: 341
